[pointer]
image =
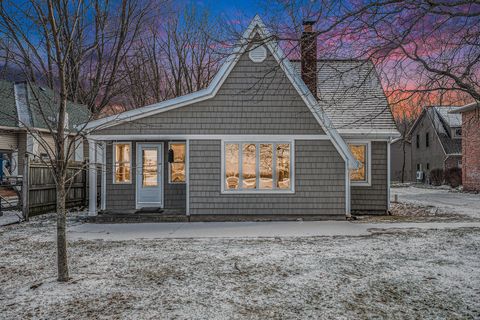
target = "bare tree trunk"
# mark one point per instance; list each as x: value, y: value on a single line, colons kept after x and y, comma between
x: 62, y: 260
x: 403, y: 161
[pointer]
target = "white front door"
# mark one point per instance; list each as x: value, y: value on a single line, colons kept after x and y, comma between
x: 149, y: 175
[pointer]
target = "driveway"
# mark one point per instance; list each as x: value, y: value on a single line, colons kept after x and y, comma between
x: 446, y: 200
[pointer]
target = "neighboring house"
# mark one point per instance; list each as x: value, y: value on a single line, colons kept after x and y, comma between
x: 401, y: 160
x: 25, y: 112
x: 436, y: 138
x: 262, y: 139
x: 470, y: 145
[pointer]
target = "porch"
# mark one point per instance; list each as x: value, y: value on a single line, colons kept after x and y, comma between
x: 140, y: 180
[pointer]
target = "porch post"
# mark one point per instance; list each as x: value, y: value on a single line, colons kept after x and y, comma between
x: 92, y: 178
x: 103, y: 194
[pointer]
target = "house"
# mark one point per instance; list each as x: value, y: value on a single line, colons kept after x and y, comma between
x: 436, y: 138
x: 470, y: 145
x: 401, y: 160
x: 266, y: 137
x: 25, y: 113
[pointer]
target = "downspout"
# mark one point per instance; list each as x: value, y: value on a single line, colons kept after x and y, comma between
x: 348, y: 214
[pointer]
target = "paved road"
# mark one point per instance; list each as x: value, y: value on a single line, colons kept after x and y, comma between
x: 451, y: 202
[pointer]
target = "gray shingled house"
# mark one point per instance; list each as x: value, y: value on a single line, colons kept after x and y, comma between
x: 436, y: 138
x: 24, y: 112
x: 268, y: 136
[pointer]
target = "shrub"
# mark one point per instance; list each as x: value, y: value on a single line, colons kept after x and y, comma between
x: 436, y: 177
x: 453, y: 177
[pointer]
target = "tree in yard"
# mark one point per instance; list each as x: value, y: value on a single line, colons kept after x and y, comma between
x: 75, y: 49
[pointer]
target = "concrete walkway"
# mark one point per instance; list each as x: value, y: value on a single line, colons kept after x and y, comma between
x: 117, y: 232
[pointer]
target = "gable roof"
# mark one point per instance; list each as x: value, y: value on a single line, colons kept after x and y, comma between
x: 351, y: 94
x: 25, y: 105
x: 255, y: 27
x: 442, y: 121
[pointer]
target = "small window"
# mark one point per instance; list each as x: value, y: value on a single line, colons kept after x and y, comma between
x: 257, y: 167
x: 428, y: 166
x: 419, y: 167
x: 457, y: 132
x: 361, y: 153
x: 427, y: 140
x: 418, y: 141
x: 122, y: 162
x: 177, y: 167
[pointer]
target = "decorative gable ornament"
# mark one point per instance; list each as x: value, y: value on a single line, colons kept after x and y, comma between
x: 258, y: 54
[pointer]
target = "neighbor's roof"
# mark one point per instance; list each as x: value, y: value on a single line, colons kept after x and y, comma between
x: 33, y: 106
x: 8, y: 109
x: 467, y: 107
x: 452, y: 119
x: 443, y: 121
x: 351, y: 94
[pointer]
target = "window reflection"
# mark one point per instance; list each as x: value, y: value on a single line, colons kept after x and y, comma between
x: 360, y: 153
x: 258, y: 166
x: 177, y: 167
x: 231, y: 166
x: 150, y: 167
x: 283, y: 166
x: 249, y: 176
x: 122, y: 163
x: 266, y: 166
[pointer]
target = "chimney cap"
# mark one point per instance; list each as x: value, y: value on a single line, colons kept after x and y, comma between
x: 308, y: 26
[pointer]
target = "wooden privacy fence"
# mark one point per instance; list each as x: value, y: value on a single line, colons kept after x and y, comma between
x: 39, y: 194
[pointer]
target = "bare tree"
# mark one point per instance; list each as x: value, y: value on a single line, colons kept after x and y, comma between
x: 51, y: 42
x: 175, y: 56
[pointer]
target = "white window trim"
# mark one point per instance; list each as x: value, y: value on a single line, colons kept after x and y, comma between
x: 170, y: 168
x: 114, y: 154
x: 257, y: 191
x: 368, y: 181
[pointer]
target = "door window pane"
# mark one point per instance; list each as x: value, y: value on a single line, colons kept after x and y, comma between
x: 266, y: 166
x: 150, y: 167
x: 122, y: 163
x: 283, y: 166
x: 231, y: 166
x: 249, y: 167
x: 177, y: 167
x: 360, y: 153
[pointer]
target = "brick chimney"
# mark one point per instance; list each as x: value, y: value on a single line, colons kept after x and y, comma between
x: 308, y: 49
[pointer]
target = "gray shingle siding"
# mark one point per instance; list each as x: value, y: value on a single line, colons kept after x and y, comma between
x: 373, y: 199
x: 256, y: 98
x: 319, y: 183
x: 121, y: 197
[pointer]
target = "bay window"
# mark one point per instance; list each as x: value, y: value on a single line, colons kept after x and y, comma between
x: 361, y: 152
x: 122, y: 154
x: 257, y: 167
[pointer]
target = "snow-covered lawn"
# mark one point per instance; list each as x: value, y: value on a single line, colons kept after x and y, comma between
x: 445, y: 200
x: 389, y: 274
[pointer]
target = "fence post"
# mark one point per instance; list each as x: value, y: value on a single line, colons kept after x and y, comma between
x: 85, y: 183
x: 26, y: 188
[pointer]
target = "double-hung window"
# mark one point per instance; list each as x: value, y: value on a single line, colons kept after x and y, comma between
x: 122, y: 155
x: 257, y: 167
x: 362, y: 153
